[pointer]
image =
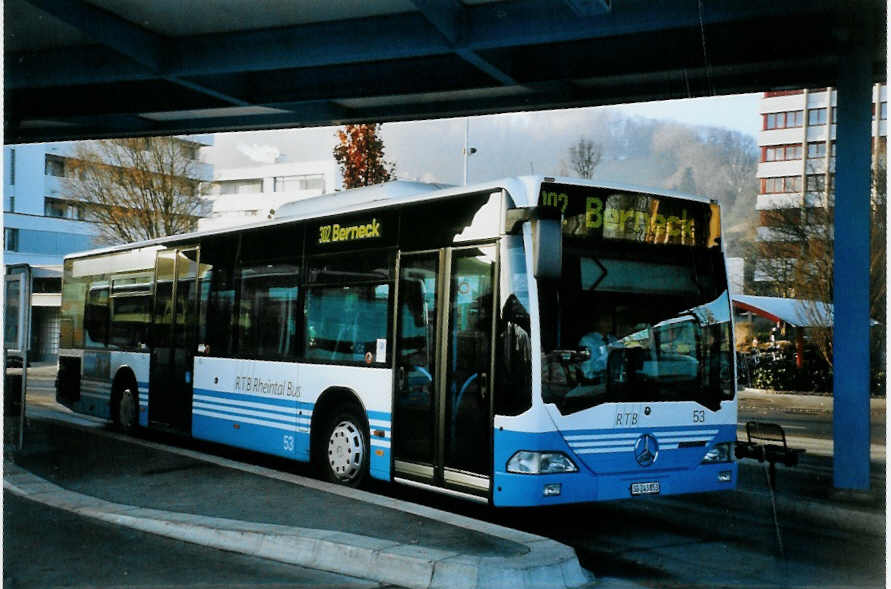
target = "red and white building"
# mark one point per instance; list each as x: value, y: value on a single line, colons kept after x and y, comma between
x: 796, y: 169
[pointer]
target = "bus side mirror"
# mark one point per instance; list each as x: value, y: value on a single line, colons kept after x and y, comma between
x: 547, y: 248
x: 547, y: 238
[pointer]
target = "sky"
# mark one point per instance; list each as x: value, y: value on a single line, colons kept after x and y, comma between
x: 508, y: 144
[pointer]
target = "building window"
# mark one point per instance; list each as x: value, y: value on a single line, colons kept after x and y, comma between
x: 53, y: 207
x: 10, y: 204
x: 834, y: 114
x: 304, y: 182
x: 12, y: 167
x: 55, y: 166
x: 781, y: 184
x: 816, y: 116
x: 883, y: 111
x: 780, y: 153
x: 78, y: 211
x: 816, y: 150
x: 783, y: 120
x: 11, y: 239
x: 816, y: 183
x: 241, y: 186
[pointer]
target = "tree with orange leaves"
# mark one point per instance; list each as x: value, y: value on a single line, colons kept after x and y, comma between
x: 360, y: 155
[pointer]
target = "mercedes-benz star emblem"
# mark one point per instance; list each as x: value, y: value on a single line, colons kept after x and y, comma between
x: 646, y: 450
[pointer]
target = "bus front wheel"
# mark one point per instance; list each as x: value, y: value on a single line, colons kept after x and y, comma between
x: 345, y: 448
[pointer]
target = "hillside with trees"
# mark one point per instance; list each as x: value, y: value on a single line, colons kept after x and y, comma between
x: 712, y: 162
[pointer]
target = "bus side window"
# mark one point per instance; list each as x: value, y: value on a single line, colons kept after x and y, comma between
x: 513, y: 352
x: 131, y: 310
x: 96, y: 315
x: 513, y: 374
x: 267, y: 310
x: 346, y: 312
x: 346, y: 323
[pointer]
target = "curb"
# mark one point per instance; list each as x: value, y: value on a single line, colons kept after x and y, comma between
x: 546, y: 564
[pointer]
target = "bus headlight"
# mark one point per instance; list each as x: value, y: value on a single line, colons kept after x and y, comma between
x: 526, y: 462
x: 719, y: 453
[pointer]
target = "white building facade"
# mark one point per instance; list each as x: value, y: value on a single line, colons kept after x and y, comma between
x: 796, y: 169
x: 42, y: 224
x: 247, y: 195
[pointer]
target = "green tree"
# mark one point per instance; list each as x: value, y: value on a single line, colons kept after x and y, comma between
x: 360, y: 155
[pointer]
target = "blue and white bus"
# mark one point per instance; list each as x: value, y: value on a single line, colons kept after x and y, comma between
x: 529, y: 341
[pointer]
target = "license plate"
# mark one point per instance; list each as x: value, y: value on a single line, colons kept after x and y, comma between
x: 645, y: 488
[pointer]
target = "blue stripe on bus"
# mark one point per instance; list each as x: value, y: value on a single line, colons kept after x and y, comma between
x: 237, y: 432
x: 653, y: 430
x: 290, y: 403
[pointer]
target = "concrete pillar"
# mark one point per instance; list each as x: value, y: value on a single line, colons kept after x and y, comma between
x: 851, y: 270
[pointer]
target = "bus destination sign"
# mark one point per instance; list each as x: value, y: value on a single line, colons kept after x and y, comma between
x: 600, y: 213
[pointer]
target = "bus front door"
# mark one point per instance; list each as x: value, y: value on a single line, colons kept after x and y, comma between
x: 173, y: 338
x: 442, y: 413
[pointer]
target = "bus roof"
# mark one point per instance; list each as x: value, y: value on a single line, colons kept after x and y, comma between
x: 522, y: 189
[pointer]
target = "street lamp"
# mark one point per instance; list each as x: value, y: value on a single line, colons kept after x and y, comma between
x: 468, y: 151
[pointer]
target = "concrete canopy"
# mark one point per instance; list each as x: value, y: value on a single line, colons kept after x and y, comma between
x: 101, y: 68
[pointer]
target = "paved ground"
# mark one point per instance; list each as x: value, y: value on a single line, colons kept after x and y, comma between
x: 75, y: 551
x: 727, y: 538
x: 280, y: 516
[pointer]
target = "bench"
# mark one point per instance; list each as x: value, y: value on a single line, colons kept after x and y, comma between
x: 767, y: 442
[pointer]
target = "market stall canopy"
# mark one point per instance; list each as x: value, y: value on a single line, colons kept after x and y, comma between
x: 794, y: 312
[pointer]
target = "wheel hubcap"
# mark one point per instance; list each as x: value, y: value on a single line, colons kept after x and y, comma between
x: 346, y: 451
x: 127, y: 408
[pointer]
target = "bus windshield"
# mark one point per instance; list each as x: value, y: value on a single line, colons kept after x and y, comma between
x: 634, y: 319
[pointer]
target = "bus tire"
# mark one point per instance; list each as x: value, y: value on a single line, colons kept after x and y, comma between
x: 345, y: 449
x: 128, y: 410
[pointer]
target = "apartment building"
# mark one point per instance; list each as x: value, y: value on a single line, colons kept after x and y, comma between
x: 250, y: 194
x: 796, y: 169
x: 42, y: 224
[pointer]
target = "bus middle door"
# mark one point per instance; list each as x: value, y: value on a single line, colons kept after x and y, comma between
x: 173, y: 338
x: 442, y: 413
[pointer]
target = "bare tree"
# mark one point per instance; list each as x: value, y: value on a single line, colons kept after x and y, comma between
x: 584, y: 156
x: 136, y: 189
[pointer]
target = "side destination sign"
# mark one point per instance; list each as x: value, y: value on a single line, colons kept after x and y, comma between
x: 336, y: 233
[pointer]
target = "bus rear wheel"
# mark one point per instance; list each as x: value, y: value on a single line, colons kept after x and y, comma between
x: 345, y: 458
x: 128, y: 410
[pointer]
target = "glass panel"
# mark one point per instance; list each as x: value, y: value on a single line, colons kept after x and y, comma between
x: 131, y: 316
x: 186, y: 271
x: 13, y: 304
x: 347, y: 323
x: 636, y: 325
x: 96, y: 315
x: 163, y: 320
x: 469, y: 359
x: 513, y: 370
x: 416, y: 361
x: 217, y: 294
x: 267, y: 312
